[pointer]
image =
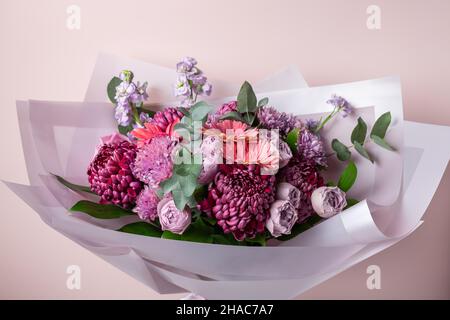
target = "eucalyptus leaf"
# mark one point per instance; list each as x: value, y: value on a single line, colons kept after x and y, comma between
x: 188, y: 184
x: 382, y: 143
x: 111, y: 89
x: 179, y: 199
x: 200, y: 110
x: 362, y: 151
x: 249, y: 118
x: 232, y: 115
x: 100, y: 211
x: 142, y: 228
x: 169, y: 184
x: 341, y: 150
x: 72, y: 186
x: 348, y: 177
x: 381, y: 125
x: 359, y: 132
x: 246, y: 99
x: 263, y: 102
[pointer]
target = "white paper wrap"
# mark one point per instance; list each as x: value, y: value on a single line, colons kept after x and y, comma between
x: 60, y: 137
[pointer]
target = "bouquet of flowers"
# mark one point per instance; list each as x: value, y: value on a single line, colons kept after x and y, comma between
x: 263, y: 194
x: 243, y: 174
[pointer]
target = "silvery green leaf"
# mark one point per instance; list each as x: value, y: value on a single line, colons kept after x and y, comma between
x: 200, y: 110
x: 382, y: 143
x: 359, y: 132
x: 341, y: 150
x: 263, y: 102
x: 246, y: 99
x: 362, y: 151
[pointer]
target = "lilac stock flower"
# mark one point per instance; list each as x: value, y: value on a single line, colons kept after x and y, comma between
x: 311, y: 124
x: 191, y: 82
x: 124, y: 90
x: 340, y: 103
x: 140, y: 94
x: 123, y: 114
x: 182, y: 87
x: 186, y: 65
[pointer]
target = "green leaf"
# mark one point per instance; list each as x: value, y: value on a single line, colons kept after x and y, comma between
x: 188, y: 184
x: 351, y: 202
x: 259, y: 239
x: 301, y: 227
x: 263, y: 102
x: 249, y: 118
x: 359, y: 132
x: 111, y: 88
x: 201, y: 192
x: 142, y: 228
x: 232, y: 115
x: 100, y: 211
x: 246, y: 99
x: 348, y: 177
x: 169, y: 235
x: 124, y: 130
x: 381, y: 125
x: 179, y: 198
x: 362, y: 151
x: 341, y: 150
x: 292, y: 139
x: 382, y: 143
x: 198, y: 231
x: 331, y: 184
x: 72, y: 186
x: 200, y: 110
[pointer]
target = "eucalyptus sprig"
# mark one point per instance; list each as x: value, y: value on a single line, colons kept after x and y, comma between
x: 183, y: 183
x: 358, y: 138
x: 247, y: 105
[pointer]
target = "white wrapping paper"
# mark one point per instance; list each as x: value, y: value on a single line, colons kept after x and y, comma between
x: 59, y: 137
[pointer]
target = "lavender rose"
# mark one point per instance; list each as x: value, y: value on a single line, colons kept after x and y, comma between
x: 328, y: 201
x: 171, y: 218
x: 285, y: 154
x: 282, y: 218
x: 286, y: 191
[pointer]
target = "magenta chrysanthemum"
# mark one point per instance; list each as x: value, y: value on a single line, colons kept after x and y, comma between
x: 240, y: 200
x: 146, y: 204
x: 166, y: 117
x: 110, y: 176
x: 310, y: 147
x: 303, y: 174
x: 273, y: 119
x: 223, y: 109
x: 153, y: 162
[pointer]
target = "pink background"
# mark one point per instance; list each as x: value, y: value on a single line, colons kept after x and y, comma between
x: 233, y: 40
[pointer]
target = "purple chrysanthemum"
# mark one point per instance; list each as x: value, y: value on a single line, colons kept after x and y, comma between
x: 110, y: 176
x: 273, y: 119
x: 146, y: 204
x: 310, y: 147
x: 153, y: 162
x: 240, y: 200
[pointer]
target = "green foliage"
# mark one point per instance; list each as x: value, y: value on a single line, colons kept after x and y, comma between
x: 348, y: 177
x: 100, y: 211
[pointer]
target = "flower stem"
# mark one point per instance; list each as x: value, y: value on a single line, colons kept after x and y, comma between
x: 136, y: 115
x: 328, y: 118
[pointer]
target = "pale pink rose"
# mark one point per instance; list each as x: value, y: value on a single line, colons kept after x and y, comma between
x: 328, y: 201
x: 172, y: 219
x: 282, y: 218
